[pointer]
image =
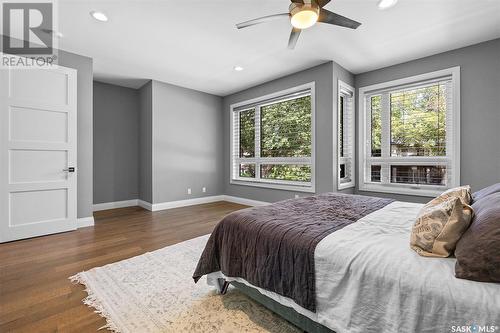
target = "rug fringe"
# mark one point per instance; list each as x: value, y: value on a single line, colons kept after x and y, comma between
x: 93, y: 301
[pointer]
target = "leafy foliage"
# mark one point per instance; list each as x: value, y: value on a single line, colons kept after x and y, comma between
x: 417, y: 128
x: 286, y: 172
x: 376, y: 125
x: 285, y: 131
x: 341, y: 127
x: 286, y: 128
x: 418, y: 118
x: 247, y: 133
x: 247, y: 170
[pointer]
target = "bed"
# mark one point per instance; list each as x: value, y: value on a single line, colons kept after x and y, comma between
x: 365, y: 276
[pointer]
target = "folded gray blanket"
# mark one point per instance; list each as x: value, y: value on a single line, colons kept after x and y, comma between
x: 272, y: 246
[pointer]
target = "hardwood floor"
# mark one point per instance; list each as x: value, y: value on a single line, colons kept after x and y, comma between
x: 35, y: 293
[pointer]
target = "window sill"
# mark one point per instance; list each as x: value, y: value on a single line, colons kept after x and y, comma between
x: 275, y: 185
x: 423, y: 191
x: 343, y: 186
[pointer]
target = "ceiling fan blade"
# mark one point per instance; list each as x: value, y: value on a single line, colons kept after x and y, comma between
x: 260, y: 20
x: 326, y: 16
x: 322, y: 3
x: 294, y: 36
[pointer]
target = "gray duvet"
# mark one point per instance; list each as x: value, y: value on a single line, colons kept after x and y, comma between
x: 272, y: 247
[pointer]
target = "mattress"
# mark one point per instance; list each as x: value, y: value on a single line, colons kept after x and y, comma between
x: 265, y: 245
x: 369, y: 280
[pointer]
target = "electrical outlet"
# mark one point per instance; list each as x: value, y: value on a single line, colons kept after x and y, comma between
x: 203, y: 189
x: 189, y: 191
x: 296, y: 196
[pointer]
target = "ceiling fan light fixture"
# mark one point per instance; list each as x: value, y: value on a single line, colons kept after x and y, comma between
x: 304, y: 16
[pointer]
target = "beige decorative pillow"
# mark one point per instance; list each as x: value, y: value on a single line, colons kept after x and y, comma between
x: 462, y: 192
x: 441, y: 223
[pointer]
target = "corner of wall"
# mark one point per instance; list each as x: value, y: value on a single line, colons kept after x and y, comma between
x: 145, y: 142
x: 84, y: 67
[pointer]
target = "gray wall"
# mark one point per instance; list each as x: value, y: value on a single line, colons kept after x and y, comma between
x: 146, y: 142
x: 116, y: 143
x: 480, y: 107
x: 183, y: 134
x: 325, y: 76
x: 187, y: 137
x: 83, y: 65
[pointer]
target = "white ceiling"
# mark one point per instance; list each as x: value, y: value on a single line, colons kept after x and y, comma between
x: 195, y: 44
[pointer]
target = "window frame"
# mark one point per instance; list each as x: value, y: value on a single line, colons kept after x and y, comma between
x: 258, y: 102
x: 346, y: 91
x: 364, y: 143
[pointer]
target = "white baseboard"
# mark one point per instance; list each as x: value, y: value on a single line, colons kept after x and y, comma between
x: 89, y: 221
x: 116, y: 204
x: 145, y: 204
x: 84, y: 222
x: 199, y: 201
x: 244, y: 201
x: 187, y: 202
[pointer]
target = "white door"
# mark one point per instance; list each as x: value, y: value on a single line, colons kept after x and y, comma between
x: 37, y: 150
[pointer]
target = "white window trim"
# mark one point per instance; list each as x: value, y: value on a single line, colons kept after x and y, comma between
x: 278, y: 184
x: 412, y: 189
x: 345, y: 89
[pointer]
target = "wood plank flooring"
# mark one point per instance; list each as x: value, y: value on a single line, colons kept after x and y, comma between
x: 35, y: 293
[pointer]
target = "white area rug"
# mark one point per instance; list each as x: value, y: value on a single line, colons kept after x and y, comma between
x: 154, y: 292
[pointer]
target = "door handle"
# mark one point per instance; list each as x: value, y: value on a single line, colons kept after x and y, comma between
x: 70, y: 169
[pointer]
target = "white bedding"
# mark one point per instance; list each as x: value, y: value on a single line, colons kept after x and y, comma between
x: 369, y: 280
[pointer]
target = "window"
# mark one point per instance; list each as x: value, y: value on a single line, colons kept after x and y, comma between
x: 410, y: 143
x: 272, y: 142
x: 345, y: 130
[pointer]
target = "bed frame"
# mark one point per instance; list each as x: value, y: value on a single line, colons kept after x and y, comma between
x: 287, y: 313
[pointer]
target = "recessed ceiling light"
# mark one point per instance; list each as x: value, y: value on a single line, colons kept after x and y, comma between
x: 238, y: 68
x: 384, y: 4
x: 99, y: 16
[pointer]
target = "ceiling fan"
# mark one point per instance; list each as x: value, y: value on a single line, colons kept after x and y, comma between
x: 304, y: 14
